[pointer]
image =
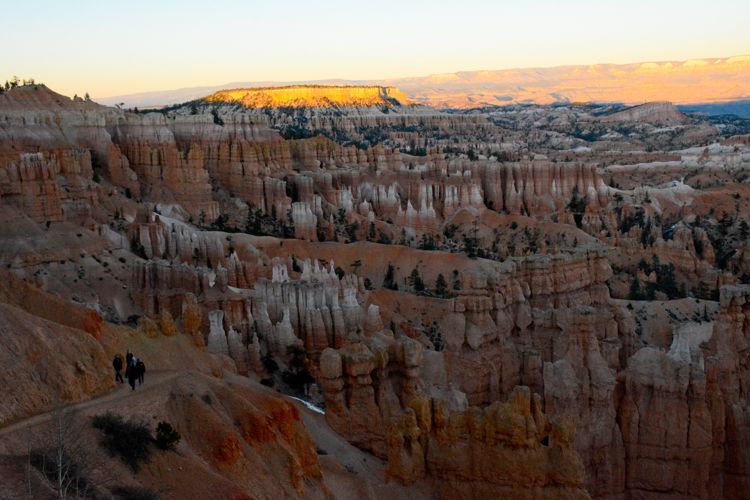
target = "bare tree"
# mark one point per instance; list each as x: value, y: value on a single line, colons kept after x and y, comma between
x: 60, y: 454
x: 28, y: 472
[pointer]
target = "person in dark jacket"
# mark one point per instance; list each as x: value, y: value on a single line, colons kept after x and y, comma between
x: 131, y: 375
x: 140, y: 370
x: 128, y: 358
x: 117, y: 365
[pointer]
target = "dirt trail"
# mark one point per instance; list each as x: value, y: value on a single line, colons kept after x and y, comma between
x: 121, y: 392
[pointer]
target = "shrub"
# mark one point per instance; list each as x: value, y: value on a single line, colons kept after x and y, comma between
x: 297, y: 376
x: 137, y: 247
x: 471, y: 246
x: 427, y: 242
x: 635, y: 292
x: 636, y: 219
x: 433, y: 333
x: 128, y: 440
x: 351, y: 231
x: 384, y: 239
x: 339, y: 272
x: 269, y: 364
x: 450, y: 230
x: 166, y: 435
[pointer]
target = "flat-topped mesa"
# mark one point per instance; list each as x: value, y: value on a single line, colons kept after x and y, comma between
x: 312, y: 96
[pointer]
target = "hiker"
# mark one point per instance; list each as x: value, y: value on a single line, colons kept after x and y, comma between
x: 128, y: 358
x: 117, y: 365
x: 140, y: 370
x: 131, y: 375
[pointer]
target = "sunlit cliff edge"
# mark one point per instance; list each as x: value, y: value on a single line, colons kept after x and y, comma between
x: 305, y: 96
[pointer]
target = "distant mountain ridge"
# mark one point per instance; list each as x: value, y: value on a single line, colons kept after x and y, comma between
x: 681, y: 82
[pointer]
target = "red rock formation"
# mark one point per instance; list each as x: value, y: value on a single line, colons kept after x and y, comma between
x: 151, y: 150
x: 726, y: 395
x: 506, y: 450
x: 32, y: 182
x: 366, y: 385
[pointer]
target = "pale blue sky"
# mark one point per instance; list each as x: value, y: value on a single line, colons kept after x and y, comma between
x: 109, y: 48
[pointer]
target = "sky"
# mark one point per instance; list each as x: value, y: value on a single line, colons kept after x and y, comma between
x: 112, y: 48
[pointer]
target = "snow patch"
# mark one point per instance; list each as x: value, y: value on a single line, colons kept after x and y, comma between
x: 310, y: 406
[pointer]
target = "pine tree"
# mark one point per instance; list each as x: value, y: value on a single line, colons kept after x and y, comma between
x: 415, y: 281
x: 702, y: 292
x: 577, y: 206
x: 744, y: 229
x: 635, y: 292
x: 441, y: 286
x: 471, y: 243
x: 356, y: 265
x: 389, y: 281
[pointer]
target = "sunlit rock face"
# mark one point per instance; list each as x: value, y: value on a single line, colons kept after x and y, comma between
x: 309, y: 96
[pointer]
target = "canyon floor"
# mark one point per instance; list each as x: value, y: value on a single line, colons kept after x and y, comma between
x: 522, y: 301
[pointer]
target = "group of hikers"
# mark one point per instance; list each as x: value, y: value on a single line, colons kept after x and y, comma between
x: 135, y: 369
